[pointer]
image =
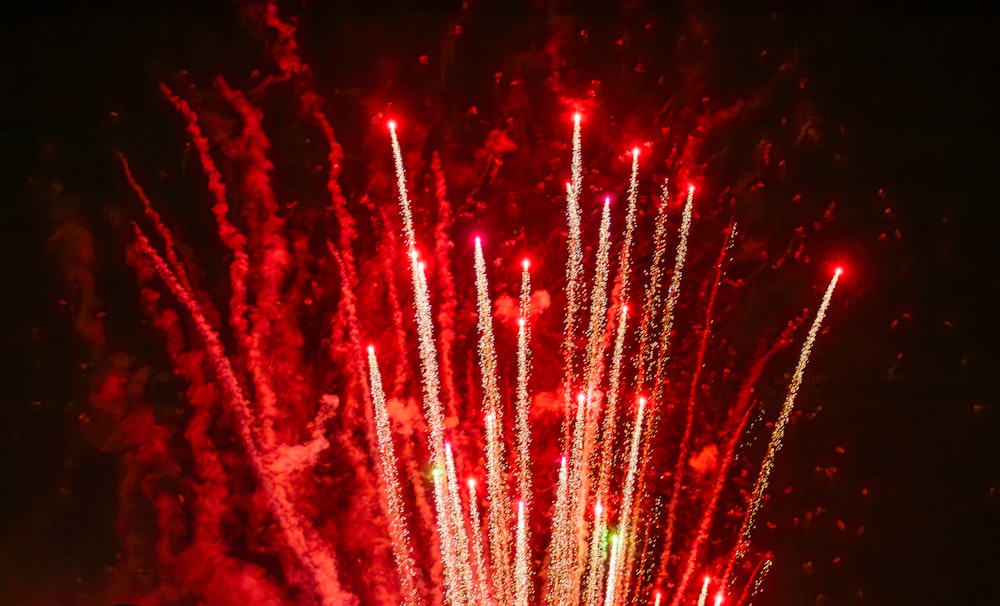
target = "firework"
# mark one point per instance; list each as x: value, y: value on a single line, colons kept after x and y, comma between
x: 603, y: 514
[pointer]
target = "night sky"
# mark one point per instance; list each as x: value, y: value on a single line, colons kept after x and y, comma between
x: 905, y: 385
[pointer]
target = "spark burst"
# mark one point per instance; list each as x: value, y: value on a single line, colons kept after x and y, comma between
x: 602, y: 470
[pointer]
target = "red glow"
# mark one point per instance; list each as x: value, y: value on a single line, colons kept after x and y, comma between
x: 607, y: 200
x: 691, y: 188
x: 635, y: 152
x: 371, y: 349
x: 838, y: 271
x: 525, y: 264
x: 478, y: 241
x: 392, y: 125
x: 472, y: 483
x: 577, y: 117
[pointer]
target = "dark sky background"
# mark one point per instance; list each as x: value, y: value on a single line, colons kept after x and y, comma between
x: 914, y: 87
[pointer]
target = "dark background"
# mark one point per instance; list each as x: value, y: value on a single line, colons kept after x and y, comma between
x: 914, y: 405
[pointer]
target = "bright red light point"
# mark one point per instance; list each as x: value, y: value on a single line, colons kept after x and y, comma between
x: 392, y: 125
x: 635, y: 152
x: 577, y: 117
x: 718, y: 598
x: 642, y: 401
x: 607, y: 200
x: 478, y: 241
x: 520, y: 322
x: 525, y: 264
x: 691, y: 188
x: 472, y: 483
x: 371, y: 350
x: 839, y: 270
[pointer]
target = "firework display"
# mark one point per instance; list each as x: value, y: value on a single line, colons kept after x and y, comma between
x: 521, y: 422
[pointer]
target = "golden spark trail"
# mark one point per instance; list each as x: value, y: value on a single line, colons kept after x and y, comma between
x: 476, y: 529
x: 607, y: 455
x: 672, y: 295
x: 557, y: 544
x: 456, y: 523
x: 703, y: 596
x: 593, y: 590
x: 778, y: 434
x: 452, y: 586
x: 574, y: 260
x: 609, y: 594
x: 522, y: 565
x: 759, y: 581
x: 390, y: 479
x: 628, y: 495
x: 523, y: 399
x: 651, y: 304
x: 656, y: 601
x: 522, y: 571
x: 425, y: 325
x: 496, y: 468
x: 580, y: 469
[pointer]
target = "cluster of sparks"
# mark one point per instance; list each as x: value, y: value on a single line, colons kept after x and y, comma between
x: 613, y: 394
x: 591, y: 559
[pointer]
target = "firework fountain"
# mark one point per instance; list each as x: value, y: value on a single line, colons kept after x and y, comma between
x: 588, y: 527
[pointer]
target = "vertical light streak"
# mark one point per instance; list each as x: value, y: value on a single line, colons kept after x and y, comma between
x: 496, y: 468
x: 395, y: 506
x: 598, y: 303
x: 718, y: 599
x: 651, y: 304
x: 523, y: 399
x: 593, y: 590
x: 522, y: 563
x: 609, y: 593
x: 778, y: 434
x: 456, y: 525
x: 452, y: 586
x: 628, y: 494
x: 607, y: 455
x: 557, y: 543
x: 703, y: 596
x: 476, y: 530
x: 672, y: 295
x: 658, y: 597
x: 522, y: 571
x: 425, y: 325
x: 574, y: 259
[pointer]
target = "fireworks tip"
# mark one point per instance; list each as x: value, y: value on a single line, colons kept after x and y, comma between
x: 691, y: 188
x: 371, y: 350
x: 838, y: 271
x: 525, y: 264
x: 718, y: 598
x: 392, y: 125
x: 635, y: 152
x: 472, y: 483
x: 479, y: 241
x: 607, y: 200
x: 577, y: 117
x: 520, y: 322
x: 642, y: 401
